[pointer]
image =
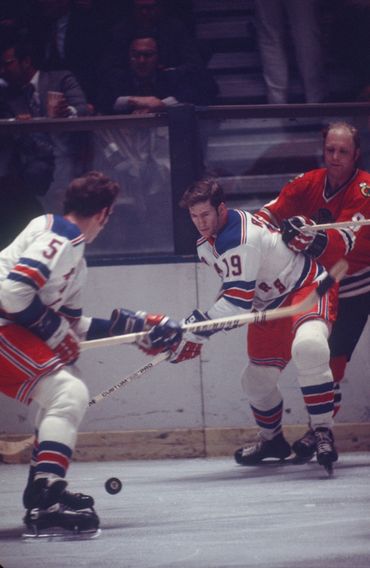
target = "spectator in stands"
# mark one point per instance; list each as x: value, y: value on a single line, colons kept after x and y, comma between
x: 145, y: 86
x: 139, y: 159
x: 28, y: 86
x: 70, y: 34
x: 37, y: 157
x: 273, y: 18
x: 177, y: 48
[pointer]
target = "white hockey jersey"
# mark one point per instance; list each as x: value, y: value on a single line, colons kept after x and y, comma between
x: 257, y: 269
x: 44, y: 266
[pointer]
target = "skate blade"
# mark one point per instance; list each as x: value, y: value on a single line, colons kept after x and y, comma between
x: 296, y: 460
x: 59, y: 534
x: 329, y: 469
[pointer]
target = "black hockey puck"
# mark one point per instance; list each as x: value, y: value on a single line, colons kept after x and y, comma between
x: 113, y: 485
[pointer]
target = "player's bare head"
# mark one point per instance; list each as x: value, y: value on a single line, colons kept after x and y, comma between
x: 90, y: 194
x: 202, y: 191
x: 344, y: 128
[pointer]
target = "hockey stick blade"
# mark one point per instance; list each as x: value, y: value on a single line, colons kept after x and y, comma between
x: 135, y: 375
x: 9, y: 448
x: 335, y: 275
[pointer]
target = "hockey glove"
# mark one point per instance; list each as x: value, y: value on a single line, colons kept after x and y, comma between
x: 192, y: 343
x: 55, y: 330
x: 68, y: 350
x: 297, y: 236
x: 164, y: 334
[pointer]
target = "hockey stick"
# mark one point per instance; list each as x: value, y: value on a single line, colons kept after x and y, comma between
x: 136, y: 374
x: 8, y: 448
x: 339, y: 225
x: 335, y: 274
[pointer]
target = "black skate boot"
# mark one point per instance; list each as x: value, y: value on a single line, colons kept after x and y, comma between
x: 54, y: 512
x: 325, y: 450
x: 278, y: 448
x: 72, y: 500
x: 305, y: 447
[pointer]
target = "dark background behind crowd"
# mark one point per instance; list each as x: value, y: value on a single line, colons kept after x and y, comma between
x: 106, y: 57
x: 91, y: 38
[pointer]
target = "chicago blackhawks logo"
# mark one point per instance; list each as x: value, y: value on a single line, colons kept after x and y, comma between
x: 365, y: 189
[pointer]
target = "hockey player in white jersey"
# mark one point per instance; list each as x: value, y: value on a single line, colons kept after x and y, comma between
x: 42, y: 274
x: 258, y: 272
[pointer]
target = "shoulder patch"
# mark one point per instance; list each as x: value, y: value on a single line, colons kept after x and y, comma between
x: 365, y: 189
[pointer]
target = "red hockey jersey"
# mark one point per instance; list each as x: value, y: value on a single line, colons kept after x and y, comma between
x: 308, y: 194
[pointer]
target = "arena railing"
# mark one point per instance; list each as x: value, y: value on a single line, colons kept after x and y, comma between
x: 251, y: 149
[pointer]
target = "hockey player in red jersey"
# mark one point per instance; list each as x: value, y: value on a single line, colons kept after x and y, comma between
x: 337, y: 192
x: 258, y: 272
x: 42, y: 274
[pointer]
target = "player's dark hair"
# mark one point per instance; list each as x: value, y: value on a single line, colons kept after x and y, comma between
x: 89, y: 194
x: 347, y: 126
x: 201, y: 191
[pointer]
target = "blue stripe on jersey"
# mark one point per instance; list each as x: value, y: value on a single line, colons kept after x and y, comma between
x: 234, y: 233
x: 22, y: 278
x: 239, y: 293
x: 31, y: 314
x: 241, y: 284
x: 35, y: 278
x: 41, y: 267
x: 38, y: 318
x: 65, y: 228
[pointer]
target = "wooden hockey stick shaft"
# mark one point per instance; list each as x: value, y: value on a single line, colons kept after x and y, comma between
x: 335, y: 275
x: 11, y: 448
x: 135, y: 375
x: 339, y: 225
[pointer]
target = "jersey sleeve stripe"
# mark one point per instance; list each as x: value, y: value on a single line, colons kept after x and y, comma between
x: 349, y: 239
x: 31, y: 272
x: 27, y: 276
x: 239, y: 293
x: 237, y: 301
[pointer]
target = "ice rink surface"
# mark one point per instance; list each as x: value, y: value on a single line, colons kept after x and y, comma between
x: 205, y: 513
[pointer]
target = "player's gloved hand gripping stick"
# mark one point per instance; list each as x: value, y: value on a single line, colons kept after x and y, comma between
x: 335, y: 275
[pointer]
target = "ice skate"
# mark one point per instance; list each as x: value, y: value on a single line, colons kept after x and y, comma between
x: 56, y: 513
x: 305, y: 447
x: 278, y: 448
x: 325, y: 449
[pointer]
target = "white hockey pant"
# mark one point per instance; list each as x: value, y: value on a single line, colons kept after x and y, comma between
x: 63, y: 400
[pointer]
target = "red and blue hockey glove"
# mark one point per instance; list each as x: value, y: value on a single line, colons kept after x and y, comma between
x: 68, y: 350
x: 163, y: 331
x: 192, y: 343
x: 297, y: 236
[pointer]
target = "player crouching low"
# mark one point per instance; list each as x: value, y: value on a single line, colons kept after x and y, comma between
x: 42, y: 275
